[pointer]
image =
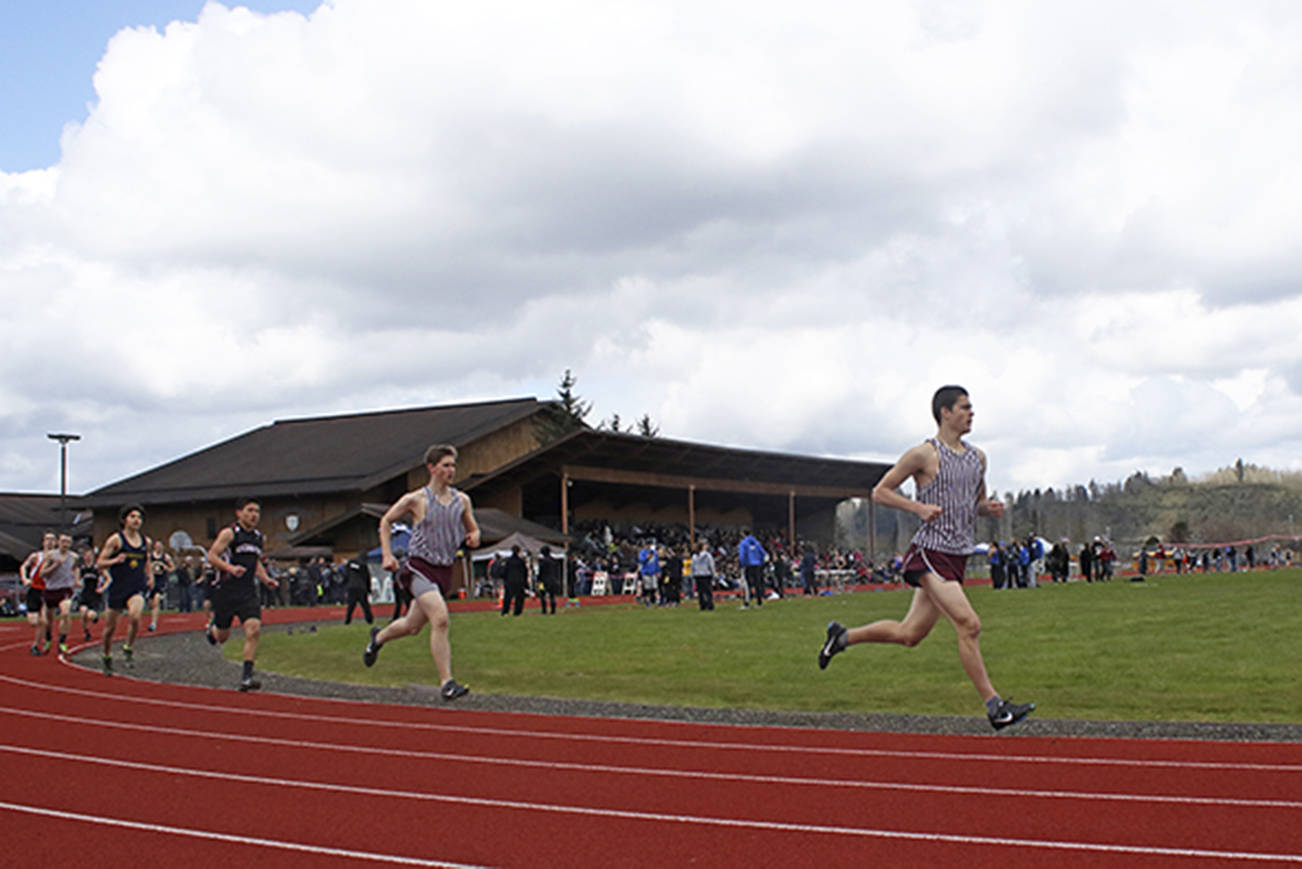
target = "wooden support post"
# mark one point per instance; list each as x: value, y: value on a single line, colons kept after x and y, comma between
x: 565, y: 503
x: 691, y: 518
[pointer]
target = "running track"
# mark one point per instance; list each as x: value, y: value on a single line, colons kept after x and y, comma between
x: 125, y: 771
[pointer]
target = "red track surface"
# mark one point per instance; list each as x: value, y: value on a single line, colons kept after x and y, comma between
x: 123, y: 772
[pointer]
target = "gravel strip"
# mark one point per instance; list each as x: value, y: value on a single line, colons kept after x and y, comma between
x: 187, y: 659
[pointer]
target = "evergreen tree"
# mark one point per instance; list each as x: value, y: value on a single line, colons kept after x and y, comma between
x: 565, y: 414
x: 646, y: 428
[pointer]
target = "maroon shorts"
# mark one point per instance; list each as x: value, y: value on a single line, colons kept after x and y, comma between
x: 918, y: 561
x: 52, y: 597
x: 418, y: 576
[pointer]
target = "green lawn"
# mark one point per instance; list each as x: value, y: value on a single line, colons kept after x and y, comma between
x: 1216, y: 647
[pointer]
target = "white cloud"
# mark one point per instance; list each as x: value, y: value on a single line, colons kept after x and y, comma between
x: 765, y: 225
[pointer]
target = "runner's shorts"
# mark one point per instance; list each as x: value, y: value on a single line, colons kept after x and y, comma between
x: 419, y: 576
x: 55, y: 596
x: 35, y: 599
x: 947, y: 566
x: 120, y: 593
x: 231, y: 601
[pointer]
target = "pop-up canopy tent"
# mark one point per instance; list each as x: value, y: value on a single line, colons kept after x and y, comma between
x: 528, y: 545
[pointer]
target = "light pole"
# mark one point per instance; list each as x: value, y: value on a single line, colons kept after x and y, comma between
x: 63, y: 440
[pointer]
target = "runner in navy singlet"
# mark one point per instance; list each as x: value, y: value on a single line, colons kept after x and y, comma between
x: 126, y: 558
x: 442, y: 518
x: 949, y: 476
x: 237, y: 556
x: 161, y: 565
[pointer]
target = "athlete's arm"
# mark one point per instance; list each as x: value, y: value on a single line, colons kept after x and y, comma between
x: 911, y: 464
x: 266, y: 577
x: 220, y: 545
x: 24, y: 569
x: 402, y: 507
x: 468, y: 520
x: 987, y: 506
x: 109, y: 555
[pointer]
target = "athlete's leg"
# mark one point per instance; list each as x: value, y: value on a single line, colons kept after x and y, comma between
x: 950, y: 599
x: 252, y: 632
x: 65, y: 620
x: 135, y: 608
x: 917, y: 623
x: 156, y: 603
x: 409, y: 624
x: 435, y: 611
x: 110, y: 626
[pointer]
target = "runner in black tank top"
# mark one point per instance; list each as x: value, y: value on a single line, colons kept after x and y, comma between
x: 949, y: 476
x: 236, y: 555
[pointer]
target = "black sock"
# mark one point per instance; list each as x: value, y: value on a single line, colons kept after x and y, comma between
x: 248, y: 669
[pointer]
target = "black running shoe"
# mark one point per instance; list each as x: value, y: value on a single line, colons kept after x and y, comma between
x: 372, y: 650
x: 108, y: 665
x: 87, y: 637
x: 452, y: 689
x: 1009, y: 713
x: 36, y: 652
x: 207, y: 632
x: 250, y: 683
x: 835, y: 644
x: 153, y: 628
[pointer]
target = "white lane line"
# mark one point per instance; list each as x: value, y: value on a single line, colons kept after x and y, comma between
x: 462, y: 731
x: 301, y: 847
x: 657, y: 772
x: 700, y: 820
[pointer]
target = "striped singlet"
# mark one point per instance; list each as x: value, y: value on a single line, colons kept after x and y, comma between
x: 438, y: 536
x: 954, y: 490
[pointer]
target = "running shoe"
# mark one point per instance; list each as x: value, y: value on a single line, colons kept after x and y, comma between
x: 153, y: 628
x: 1008, y: 713
x: 130, y: 655
x: 87, y: 637
x: 250, y: 683
x: 372, y: 648
x: 837, y: 637
x: 63, y: 648
x: 207, y: 632
x: 452, y: 689
x: 108, y: 665
x: 36, y: 652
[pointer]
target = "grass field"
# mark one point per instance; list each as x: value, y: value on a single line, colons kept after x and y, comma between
x: 1214, y: 647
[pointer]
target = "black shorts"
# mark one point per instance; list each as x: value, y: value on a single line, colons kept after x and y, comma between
x: 35, y: 599
x: 91, y: 600
x: 232, y: 602
x: 119, y: 594
x: 159, y: 588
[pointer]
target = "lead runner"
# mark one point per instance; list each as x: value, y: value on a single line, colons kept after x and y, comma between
x: 949, y: 476
x: 442, y: 517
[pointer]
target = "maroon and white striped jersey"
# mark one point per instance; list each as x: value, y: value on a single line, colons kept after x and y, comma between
x: 955, y: 491
x: 438, y: 536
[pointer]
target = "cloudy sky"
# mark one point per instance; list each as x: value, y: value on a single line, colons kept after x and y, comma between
x: 770, y: 225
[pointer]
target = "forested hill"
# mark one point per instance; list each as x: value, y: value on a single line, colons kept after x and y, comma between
x: 1242, y: 502
x: 1237, y: 503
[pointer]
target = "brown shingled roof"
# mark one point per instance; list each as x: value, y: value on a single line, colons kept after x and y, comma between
x: 318, y: 454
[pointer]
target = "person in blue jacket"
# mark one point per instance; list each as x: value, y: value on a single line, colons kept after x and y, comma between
x: 751, y: 557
